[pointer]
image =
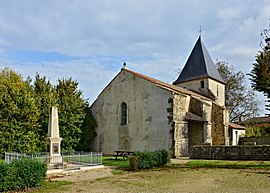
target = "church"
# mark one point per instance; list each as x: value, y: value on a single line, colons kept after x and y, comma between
x: 139, y: 113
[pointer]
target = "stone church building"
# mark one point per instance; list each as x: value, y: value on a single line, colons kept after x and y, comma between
x: 137, y: 112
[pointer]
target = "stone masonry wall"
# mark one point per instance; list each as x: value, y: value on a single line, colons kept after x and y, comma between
x: 196, y: 107
x: 217, y: 131
x: 180, y: 133
x: 244, y: 152
x: 195, y: 133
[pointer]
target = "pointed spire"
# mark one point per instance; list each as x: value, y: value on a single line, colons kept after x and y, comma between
x: 199, y: 65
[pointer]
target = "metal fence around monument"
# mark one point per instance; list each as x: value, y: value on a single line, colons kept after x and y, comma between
x: 67, y: 161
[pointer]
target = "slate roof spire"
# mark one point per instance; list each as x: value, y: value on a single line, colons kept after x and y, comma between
x: 199, y: 65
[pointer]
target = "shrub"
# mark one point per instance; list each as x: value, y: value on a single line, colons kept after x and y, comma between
x: 133, y: 162
x: 3, y: 174
x: 145, y: 160
x: 21, y: 174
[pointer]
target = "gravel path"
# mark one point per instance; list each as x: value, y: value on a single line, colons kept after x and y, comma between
x: 88, y: 175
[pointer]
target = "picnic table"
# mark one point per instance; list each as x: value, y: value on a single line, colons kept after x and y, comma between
x: 123, y: 153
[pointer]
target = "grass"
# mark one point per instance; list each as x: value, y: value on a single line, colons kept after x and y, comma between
x: 51, y: 186
x: 228, y: 164
x: 119, y: 163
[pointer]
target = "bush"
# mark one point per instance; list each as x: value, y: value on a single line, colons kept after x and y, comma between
x: 146, y: 160
x: 133, y: 162
x: 21, y: 174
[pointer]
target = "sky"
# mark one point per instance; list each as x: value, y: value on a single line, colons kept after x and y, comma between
x: 89, y: 40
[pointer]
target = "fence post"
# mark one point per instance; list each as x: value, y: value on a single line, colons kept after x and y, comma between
x: 63, y: 167
x: 100, y: 158
x: 91, y: 156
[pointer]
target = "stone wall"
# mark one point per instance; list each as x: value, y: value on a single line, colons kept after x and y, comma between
x: 257, y: 140
x: 218, y: 89
x: 180, y: 132
x: 196, y: 107
x: 230, y: 152
x: 195, y: 133
x: 217, y: 131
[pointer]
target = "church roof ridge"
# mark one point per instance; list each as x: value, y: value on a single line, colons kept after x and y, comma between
x: 199, y: 65
x: 167, y: 86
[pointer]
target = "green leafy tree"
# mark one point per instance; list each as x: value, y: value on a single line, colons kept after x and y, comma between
x: 24, y: 113
x: 18, y: 114
x: 239, y: 99
x: 260, y: 74
x: 256, y: 132
x: 71, y: 112
x: 88, y: 131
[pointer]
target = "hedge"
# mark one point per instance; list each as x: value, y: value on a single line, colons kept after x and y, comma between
x: 21, y: 174
x: 146, y: 160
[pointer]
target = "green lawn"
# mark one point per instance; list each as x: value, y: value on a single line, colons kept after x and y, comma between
x: 228, y: 164
x: 120, y: 163
x: 51, y: 186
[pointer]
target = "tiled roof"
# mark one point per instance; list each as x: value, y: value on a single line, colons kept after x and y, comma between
x: 167, y: 86
x: 199, y: 65
x: 255, y: 120
x: 236, y: 126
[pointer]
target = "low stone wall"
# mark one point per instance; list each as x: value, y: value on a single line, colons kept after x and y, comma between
x: 242, y: 152
x: 257, y: 140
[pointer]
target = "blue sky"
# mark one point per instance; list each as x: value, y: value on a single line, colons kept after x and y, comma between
x: 89, y: 40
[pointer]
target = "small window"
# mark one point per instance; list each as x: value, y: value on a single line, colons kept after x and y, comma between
x: 123, y: 113
x: 217, y: 90
x: 202, y: 84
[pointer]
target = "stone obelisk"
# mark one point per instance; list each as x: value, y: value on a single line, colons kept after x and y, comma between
x: 53, y: 141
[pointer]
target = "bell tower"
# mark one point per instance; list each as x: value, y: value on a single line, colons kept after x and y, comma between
x: 200, y: 75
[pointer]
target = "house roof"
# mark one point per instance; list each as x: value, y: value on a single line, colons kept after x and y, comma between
x: 255, y: 120
x: 262, y: 122
x: 199, y: 65
x: 236, y: 126
x: 168, y: 86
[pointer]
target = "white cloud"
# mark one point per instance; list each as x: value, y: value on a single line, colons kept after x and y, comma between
x: 230, y: 13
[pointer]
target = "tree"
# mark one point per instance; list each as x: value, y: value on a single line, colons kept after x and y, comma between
x: 18, y: 115
x: 88, y: 131
x: 71, y: 112
x: 239, y: 99
x: 24, y: 113
x: 260, y: 74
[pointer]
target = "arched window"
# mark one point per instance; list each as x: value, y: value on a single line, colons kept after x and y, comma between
x: 124, y: 113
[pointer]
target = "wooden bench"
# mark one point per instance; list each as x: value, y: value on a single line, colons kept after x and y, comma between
x: 123, y: 153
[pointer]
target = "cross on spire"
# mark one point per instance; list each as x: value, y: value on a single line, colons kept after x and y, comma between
x: 200, y: 31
